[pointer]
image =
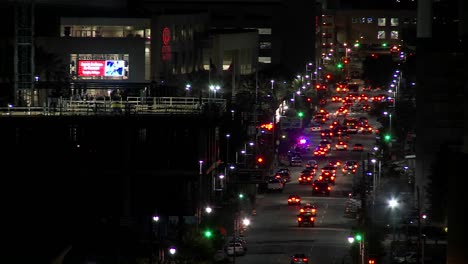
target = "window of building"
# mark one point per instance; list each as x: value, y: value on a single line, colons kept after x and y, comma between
x: 381, y: 34
x: 265, y: 45
x: 370, y: 20
x: 264, y: 59
x: 381, y: 21
x: 354, y: 20
x: 394, y: 34
x: 394, y: 21
x: 264, y: 31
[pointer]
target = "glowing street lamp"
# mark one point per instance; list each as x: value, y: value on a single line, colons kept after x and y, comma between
x: 393, y: 204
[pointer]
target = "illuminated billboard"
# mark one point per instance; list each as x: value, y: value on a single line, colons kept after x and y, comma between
x: 101, y: 68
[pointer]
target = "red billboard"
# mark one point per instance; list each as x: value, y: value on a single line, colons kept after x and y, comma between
x: 91, y: 67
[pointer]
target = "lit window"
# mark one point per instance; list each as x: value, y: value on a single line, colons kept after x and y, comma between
x: 264, y: 31
x: 381, y: 21
x: 394, y: 21
x: 381, y: 34
x: 394, y: 34
x: 264, y: 59
x: 370, y: 20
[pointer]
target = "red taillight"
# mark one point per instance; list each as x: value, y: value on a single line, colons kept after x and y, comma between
x: 313, y: 210
x: 316, y: 188
x: 289, y: 200
x: 305, y: 259
x: 297, y: 200
x: 329, y: 188
x: 320, y: 178
x: 311, y: 219
x: 332, y: 178
x: 299, y: 219
x: 302, y: 210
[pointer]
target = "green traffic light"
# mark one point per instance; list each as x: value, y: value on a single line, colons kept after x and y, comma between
x: 384, y: 44
x: 241, y: 195
x: 387, y: 137
x: 358, y: 237
x: 300, y: 114
x: 339, y: 65
x: 208, y: 234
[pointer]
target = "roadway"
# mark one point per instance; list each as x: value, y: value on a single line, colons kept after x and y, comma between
x: 274, y: 236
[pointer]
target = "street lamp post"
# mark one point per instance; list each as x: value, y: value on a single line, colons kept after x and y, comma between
x: 360, y: 239
x: 393, y: 203
x: 187, y: 89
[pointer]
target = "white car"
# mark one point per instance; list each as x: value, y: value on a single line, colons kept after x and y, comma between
x: 409, y: 257
x: 275, y: 185
x: 235, y: 248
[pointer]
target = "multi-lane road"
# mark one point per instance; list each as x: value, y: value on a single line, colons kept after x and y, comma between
x: 274, y: 235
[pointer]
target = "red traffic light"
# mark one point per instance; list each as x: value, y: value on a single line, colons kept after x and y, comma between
x: 317, y: 86
x: 260, y: 160
x: 328, y: 76
x: 309, y: 99
x: 345, y: 61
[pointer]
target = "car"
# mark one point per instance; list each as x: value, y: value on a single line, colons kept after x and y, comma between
x: 326, y: 133
x: 309, y: 208
x: 309, y: 172
x: 327, y: 177
x: 283, y: 170
x: 313, y: 164
x: 319, y: 187
x: 235, y: 248
x: 305, y: 219
x: 350, y: 166
x: 341, y: 145
x: 325, y: 142
x: 315, y: 127
x: 295, y: 162
x: 329, y: 168
x: 294, y: 199
x: 409, y: 257
x: 305, y: 179
x: 336, y: 99
x: 320, y: 152
x: 285, y: 176
x: 299, y: 258
x: 275, y: 185
x: 239, y: 239
x: 334, y: 162
x: 358, y: 147
x: 365, y: 129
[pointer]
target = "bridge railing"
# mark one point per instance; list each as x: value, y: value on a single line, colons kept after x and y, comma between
x: 132, y: 105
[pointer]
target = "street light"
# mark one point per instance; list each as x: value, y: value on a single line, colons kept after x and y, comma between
x: 215, y: 88
x: 393, y: 204
x: 187, y: 89
x: 359, y: 238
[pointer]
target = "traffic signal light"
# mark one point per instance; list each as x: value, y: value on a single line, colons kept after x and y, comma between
x: 300, y: 114
x: 317, y: 86
x: 328, y: 76
x: 358, y: 237
x: 308, y: 99
x: 371, y: 261
x: 260, y: 160
x: 339, y: 65
x: 241, y: 196
x: 208, y: 234
x: 387, y: 137
x: 346, y: 61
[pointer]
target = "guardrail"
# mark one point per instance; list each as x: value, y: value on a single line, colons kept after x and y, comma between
x: 132, y: 105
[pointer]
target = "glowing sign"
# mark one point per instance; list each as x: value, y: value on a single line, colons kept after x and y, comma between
x: 91, y: 68
x: 166, y: 49
x: 101, y: 68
